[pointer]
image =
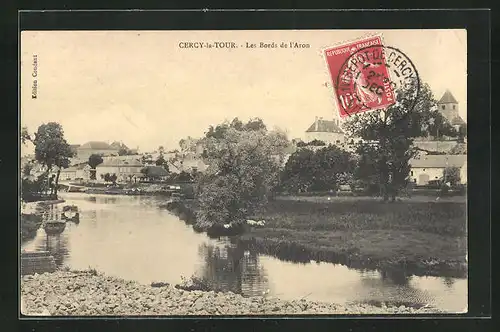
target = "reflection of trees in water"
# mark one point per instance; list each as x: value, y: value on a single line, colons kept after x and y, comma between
x: 229, y: 267
x: 109, y: 200
x: 392, y: 286
x: 57, y: 245
x: 396, y: 276
x: 449, y: 282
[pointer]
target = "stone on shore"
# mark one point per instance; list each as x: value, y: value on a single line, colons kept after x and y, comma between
x: 85, y: 293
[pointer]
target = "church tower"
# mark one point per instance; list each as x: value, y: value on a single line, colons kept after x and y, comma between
x: 448, y: 106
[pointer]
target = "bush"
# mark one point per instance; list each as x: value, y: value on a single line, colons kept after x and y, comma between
x: 30, y: 223
x: 32, y: 190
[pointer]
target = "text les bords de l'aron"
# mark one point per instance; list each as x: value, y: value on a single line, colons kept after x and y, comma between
x: 232, y: 45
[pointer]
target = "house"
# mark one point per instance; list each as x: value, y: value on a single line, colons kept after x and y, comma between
x: 191, y: 144
x: 425, y: 168
x: 328, y: 131
x: 126, y: 170
x: 80, y: 171
x: 430, y: 144
x: 121, y: 158
x: 187, y: 162
x: 83, y: 152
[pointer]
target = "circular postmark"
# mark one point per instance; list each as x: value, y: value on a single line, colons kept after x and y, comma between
x: 375, y: 78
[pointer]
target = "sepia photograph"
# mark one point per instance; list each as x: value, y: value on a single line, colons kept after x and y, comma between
x: 243, y: 172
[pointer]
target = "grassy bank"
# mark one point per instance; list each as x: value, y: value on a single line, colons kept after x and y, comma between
x: 423, y: 236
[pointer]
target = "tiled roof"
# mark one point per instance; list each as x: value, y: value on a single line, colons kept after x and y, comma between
x: 439, y: 161
x: 447, y: 98
x: 75, y: 168
x: 118, y: 145
x: 96, y: 145
x: 156, y: 171
x: 325, y: 126
x: 457, y: 121
x: 121, y: 158
x: 119, y: 162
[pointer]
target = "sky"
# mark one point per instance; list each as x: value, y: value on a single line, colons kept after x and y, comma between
x: 141, y: 88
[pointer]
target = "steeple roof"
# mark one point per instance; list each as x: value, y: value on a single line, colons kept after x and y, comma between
x: 447, y: 98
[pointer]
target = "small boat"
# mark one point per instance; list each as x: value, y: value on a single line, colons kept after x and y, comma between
x: 54, y: 227
x: 70, y: 212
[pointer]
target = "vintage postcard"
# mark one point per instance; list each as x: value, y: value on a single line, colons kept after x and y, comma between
x: 278, y: 172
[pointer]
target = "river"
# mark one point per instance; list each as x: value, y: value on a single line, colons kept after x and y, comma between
x: 130, y: 237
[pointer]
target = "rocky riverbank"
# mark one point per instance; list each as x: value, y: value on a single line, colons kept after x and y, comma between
x: 88, y: 293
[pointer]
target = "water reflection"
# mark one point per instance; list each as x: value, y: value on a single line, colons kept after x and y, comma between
x: 229, y: 267
x: 132, y: 238
x: 449, y: 282
x: 57, y: 245
x: 395, y: 276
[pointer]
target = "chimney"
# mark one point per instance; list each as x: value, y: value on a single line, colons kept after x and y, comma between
x: 316, y: 124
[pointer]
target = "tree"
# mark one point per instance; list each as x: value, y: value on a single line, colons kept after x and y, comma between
x: 94, y: 160
x: 184, y: 176
x: 144, y: 171
x: 321, y: 170
x: 316, y: 142
x: 113, y: 178
x: 366, y: 172
x: 182, y: 144
x: 434, y: 124
x: 27, y: 168
x: 162, y: 162
x: 31, y: 188
x: 147, y: 159
x: 331, y: 165
x: 244, y: 169
x: 123, y: 151
x: 451, y: 175
x: 220, y: 130
x: 462, y: 132
x: 301, y: 144
x: 297, y: 175
x: 51, y: 149
x: 25, y: 136
x: 255, y: 124
x: 394, y: 130
x: 107, y: 177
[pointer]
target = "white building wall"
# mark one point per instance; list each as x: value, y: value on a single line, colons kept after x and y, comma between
x: 463, y: 173
x: 423, y: 175
x: 122, y: 172
x: 101, y: 170
x: 67, y: 175
x: 440, y: 146
x: 328, y: 138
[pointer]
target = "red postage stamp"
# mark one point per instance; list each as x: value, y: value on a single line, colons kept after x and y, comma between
x: 360, y: 76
